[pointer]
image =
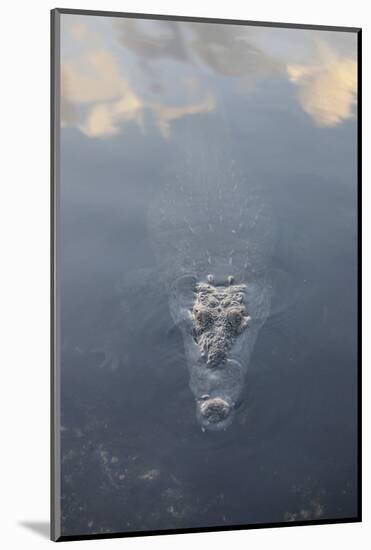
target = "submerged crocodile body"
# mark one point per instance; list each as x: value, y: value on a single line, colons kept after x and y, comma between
x: 212, y: 236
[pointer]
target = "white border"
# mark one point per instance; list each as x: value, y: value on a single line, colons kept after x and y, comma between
x: 25, y: 267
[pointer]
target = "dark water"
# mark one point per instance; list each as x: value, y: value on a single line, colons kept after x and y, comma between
x: 133, y: 456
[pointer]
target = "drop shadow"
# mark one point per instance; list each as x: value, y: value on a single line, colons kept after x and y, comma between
x: 42, y: 528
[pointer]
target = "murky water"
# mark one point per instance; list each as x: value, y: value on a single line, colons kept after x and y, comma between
x: 133, y: 455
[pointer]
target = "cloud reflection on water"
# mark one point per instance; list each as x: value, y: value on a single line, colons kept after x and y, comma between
x: 326, y: 90
x: 99, y: 91
x: 96, y: 83
x: 226, y: 49
x: 152, y: 40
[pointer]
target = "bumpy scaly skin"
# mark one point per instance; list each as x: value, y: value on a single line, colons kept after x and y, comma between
x: 219, y: 315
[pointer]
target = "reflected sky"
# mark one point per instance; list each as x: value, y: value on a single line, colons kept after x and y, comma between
x: 152, y: 109
x: 118, y: 72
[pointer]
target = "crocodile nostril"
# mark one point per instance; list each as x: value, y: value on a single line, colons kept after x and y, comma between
x: 214, y: 410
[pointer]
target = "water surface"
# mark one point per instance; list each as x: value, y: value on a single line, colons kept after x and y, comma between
x: 133, y: 456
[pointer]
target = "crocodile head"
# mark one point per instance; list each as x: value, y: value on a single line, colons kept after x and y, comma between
x: 219, y: 321
x: 219, y: 316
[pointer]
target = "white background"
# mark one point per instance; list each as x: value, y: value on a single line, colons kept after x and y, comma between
x: 24, y: 272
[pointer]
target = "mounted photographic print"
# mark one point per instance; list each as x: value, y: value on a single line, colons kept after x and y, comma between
x: 205, y: 274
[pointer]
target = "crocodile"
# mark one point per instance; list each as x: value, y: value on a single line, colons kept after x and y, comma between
x: 212, y: 235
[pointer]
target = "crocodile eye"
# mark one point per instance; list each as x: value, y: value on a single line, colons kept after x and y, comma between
x: 203, y: 317
x: 213, y: 302
x: 235, y: 318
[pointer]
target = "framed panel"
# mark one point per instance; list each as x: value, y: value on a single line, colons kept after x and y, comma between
x: 206, y: 279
